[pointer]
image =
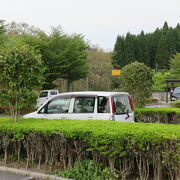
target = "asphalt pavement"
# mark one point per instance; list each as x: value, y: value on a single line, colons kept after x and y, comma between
x: 12, y: 176
x: 7, y: 173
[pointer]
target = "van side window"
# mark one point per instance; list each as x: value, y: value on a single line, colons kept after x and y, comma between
x: 58, y: 106
x: 103, y: 104
x: 84, y: 105
x: 122, y: 105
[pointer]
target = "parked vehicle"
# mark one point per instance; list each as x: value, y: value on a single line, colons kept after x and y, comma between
x: 45, y: 95
x: 116, y: 106
x: 176, y: 94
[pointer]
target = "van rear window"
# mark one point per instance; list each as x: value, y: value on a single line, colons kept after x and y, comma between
x: 122, y: 105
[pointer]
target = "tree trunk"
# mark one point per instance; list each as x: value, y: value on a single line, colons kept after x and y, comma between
x: 69, y: 85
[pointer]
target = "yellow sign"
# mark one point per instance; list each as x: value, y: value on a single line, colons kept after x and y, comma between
x: 116, y: 72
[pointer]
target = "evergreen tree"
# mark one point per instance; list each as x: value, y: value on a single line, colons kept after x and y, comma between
x: 175, y: 66
x: 142, y: 49
x: 129, y: 49
x: 69, y: 56
x: 165, y: 26
x: 162, y: 54
x: 153, y: 49
x: 177, y: 30
x: 118, y: 54
x: 153, y: 41
x: 172, y: 41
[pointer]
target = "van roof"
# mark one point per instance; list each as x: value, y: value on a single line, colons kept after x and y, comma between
x: 49, y: 90
x: 97, y: 93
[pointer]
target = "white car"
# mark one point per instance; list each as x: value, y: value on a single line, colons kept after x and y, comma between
x: 96, y: 105
x: 45, y: 95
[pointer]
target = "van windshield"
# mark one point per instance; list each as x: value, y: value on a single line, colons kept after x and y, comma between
x: 43, y: 94
x: 58, y: 106
x: 122, y: 105
x: 177, y: 90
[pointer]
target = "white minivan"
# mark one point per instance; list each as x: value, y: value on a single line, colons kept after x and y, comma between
x: 96, y: 105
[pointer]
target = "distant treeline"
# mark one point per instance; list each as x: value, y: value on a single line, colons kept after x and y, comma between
x: 154, y: 49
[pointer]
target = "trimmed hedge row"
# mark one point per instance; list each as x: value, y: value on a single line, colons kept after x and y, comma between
x: 126, y: 147
x: 176, y: 104
x: 158, y: 115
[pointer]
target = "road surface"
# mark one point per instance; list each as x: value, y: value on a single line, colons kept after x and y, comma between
x: 11, y: 176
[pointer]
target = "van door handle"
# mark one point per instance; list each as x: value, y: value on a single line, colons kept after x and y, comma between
x: 90, y: 117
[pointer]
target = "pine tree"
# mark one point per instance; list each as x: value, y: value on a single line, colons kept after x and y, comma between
x: 142, y: 49
x: 165, y: 26
x: 172, y: 41
x: 162, y: 55
x: 154, y: 49
x: 177, y: 30
x: 118, y: 54
x: 129, y: 48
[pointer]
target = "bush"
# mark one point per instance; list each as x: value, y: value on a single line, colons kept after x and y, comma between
x: 158, y: 115
x: 176, y: 104
x: 136, y: 79
x: 124, y: 147
x: 88, y: 170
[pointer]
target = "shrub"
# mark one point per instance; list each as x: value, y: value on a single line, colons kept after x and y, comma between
x: 123, y: 147
x: 88, y: 170
x: 136, y: 78
x: 176, y: 104
x: 158, y: 115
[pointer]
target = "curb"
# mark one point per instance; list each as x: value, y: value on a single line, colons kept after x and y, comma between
x: 31, y: 174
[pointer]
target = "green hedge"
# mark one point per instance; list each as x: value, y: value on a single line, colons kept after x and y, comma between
x: 176, y: 104
x: 158, y: 115
x: 126, y: 147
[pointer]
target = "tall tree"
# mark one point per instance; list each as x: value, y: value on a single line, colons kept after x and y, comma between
x: 154, y: 49
x: 129, y: 49
x: 142, y: 49
x: 119, y: 53
x: 177, y: 30
x: 162, y: 54
x: 165, y: 26
x: 69, y: 55
x: 172, y: 41
x: 20, y: 74
x: 175, y: 66
x: 100, y: 66
x: 64, y: 56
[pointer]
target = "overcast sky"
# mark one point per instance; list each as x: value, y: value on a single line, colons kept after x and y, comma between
x: 100, y: 21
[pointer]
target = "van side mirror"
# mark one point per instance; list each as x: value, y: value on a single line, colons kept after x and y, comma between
x: 42, y: 111
x: 127, y: 112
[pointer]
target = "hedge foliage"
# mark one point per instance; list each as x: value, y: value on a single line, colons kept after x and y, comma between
x: 158, y: 115
x: 176, y: 104
x: 126, y: 147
